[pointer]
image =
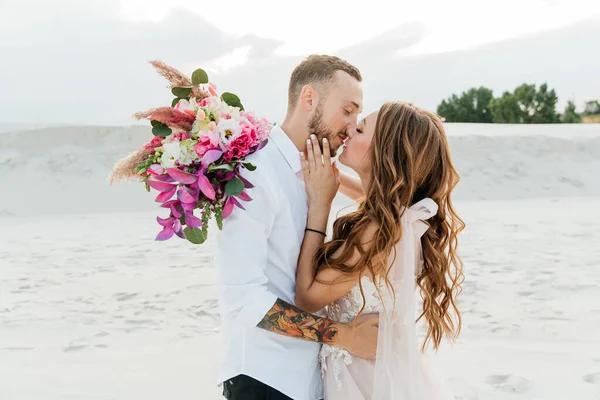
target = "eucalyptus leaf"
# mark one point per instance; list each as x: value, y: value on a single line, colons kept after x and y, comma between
x: 249, y: 166
x: 160, y: 129
x: 224, y: 167
x: 194, y: 235
x: 199, y: 77
x: 232, y: 100
x: 234, y: 187
x: 182, y: 91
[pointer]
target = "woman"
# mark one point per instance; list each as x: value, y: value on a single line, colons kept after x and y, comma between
x: 403, y: 236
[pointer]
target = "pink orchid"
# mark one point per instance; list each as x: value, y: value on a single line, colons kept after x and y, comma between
x: 170, y: 226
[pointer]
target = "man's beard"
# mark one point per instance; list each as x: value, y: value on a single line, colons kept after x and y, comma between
x: 317, y: 127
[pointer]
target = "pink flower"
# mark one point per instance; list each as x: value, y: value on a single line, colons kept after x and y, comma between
x: 185, y: 107
x: 204, y: 102
x: 238, y: 148
x: 206, y: 141
x: 155, y: 170
x: 201, y: 115
x: 263, y: 128
x: 156, y: 142
x: 212, y: 126
x: 212, y: 89
x: 179, y: 136
x: 248, y: 129
x: 225, y: 116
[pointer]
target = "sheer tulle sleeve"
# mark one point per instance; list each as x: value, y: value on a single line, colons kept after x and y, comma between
x: 400, y: 373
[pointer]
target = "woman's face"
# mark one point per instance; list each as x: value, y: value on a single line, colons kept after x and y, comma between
x: 355, y: 152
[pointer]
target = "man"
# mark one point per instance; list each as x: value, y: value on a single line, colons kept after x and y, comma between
x: 272, y: 346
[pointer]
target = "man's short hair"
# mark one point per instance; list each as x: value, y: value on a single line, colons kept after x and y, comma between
x: 317, y: 71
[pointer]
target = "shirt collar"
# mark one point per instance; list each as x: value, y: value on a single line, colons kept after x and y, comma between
x: 286, y: 147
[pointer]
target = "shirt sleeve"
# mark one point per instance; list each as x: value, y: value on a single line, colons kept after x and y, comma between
x: 241, y: 257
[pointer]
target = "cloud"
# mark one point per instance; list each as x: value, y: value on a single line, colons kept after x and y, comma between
x: 80, y: 62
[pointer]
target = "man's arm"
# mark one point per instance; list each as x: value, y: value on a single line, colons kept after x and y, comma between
x: 289, y: 320
x: 358, y: 337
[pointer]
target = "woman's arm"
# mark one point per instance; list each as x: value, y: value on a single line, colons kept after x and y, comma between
x: 351, y: 186
x: 322, y: 180
x: 313, y: 292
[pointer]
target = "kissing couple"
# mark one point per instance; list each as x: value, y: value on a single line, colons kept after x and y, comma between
x: 308, y: 316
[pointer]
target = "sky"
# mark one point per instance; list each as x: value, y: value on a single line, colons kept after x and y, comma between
x: 85, y: 62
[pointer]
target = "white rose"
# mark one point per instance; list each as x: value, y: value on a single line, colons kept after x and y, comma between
x: 171, y: 153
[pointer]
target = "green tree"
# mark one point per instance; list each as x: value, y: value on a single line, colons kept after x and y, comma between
x: 506, y: 109
x: 592, y: 107
x: 537, y: 106
x: 471, y: 106
x: 570, y: 115
x: 546, y: 101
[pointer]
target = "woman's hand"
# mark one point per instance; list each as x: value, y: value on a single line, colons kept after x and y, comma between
x: 322, y: 179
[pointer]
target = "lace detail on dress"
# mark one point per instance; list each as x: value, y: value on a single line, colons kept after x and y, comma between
x: 345, y: 309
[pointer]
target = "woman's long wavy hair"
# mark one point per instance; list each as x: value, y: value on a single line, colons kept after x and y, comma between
x: 410, y: 160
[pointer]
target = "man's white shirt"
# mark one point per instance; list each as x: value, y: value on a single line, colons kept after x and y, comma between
x: 256, y: 256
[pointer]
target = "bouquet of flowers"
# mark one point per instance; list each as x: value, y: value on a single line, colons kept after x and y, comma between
x: 194, y: 160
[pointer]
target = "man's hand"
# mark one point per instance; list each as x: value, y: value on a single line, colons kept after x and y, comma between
x: 359, y: 337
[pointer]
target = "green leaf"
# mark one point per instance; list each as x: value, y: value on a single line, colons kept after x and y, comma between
x: 249, y: 166
x: 160, y: 129
x: 175, y: 101
x: 182, y: 91
x: 234, y: 187
x: 225, y: 167
x: 232, y: 100
x: 147, y: 187
x: 194, y: 235
x: 199, y: 76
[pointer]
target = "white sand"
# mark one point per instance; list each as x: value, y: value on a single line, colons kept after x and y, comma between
x: 92, y: 308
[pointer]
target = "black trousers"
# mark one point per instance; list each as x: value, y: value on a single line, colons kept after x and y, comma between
x: 243, y: 387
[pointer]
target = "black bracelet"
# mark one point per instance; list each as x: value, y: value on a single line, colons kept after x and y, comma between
x: 314, y: 230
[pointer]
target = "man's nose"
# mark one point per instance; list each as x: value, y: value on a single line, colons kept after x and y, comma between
x: 351, y: 131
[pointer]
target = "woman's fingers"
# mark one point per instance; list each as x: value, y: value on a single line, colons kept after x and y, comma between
x: 311, y: 155
x: 317, y: 151
x: 326, y: 153
x: 305, y: 166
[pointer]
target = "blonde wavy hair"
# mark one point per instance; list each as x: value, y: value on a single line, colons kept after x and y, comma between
x: 410, y: 160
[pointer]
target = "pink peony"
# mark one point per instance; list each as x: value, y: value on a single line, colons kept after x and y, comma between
x: 206, y: 141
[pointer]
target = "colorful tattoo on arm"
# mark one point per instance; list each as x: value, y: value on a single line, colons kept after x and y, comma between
x: 289, y: 320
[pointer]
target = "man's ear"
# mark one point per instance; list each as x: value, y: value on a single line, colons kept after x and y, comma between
x: 308, y: 98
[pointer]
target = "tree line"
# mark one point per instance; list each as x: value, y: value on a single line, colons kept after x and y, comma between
x: 527, y: 104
